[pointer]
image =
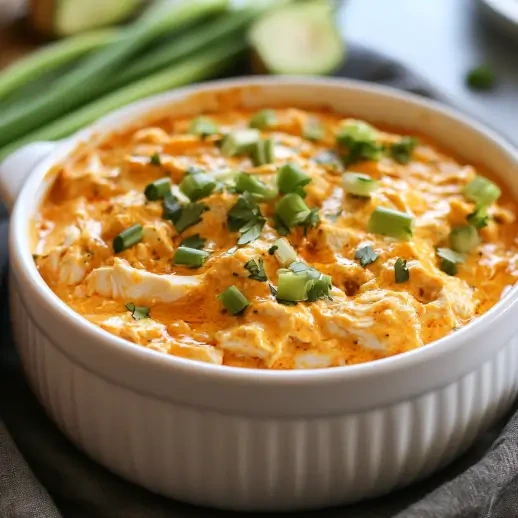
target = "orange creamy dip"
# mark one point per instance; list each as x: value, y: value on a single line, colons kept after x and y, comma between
x: 99, y: 192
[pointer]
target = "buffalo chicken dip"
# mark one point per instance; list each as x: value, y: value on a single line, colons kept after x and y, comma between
x: 277, y: 239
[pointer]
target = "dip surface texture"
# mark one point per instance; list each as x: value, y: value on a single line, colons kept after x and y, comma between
x: 168, y: 235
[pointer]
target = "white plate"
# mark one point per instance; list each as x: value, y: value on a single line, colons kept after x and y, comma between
x: 503, y: 13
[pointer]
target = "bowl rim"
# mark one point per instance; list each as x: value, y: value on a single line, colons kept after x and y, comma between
x: 21, y: 256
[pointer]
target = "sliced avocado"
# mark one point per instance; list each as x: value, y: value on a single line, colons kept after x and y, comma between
x: 298, y: 39
x: 68, y: 17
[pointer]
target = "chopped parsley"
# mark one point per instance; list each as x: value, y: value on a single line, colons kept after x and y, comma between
x: 155, y: 159
x: 256, y: 270
x: 245, y: 216
x: 401, y: 272
x: 272, y: 249
x: 138, y: 312
x: 182, y: 216
x: 360, y: 142
x: 449, y: 260
x: 478, y: 218
x: 194, y: 241
x: 401, y: 151
x: 366, y: 255
x: 481, y: 78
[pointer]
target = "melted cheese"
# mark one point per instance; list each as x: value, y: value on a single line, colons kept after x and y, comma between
x: 99, y: 192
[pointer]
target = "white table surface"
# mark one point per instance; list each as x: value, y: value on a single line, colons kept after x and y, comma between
x: 442, y: 40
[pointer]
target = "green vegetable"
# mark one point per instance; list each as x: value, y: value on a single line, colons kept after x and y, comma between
x: 301, y: 282
x: 70, y: 92
x: 246, y: 182
x: 191, y: 257
x: 389, y: 222
x: 171, y: 207
x: 298, y: 39
x: 194, y: 241
x: 158, y: 189
x: 245, y: 216
x: 449, y: 260
x: 203, y: 127
x: 402, y: 151
x: 265, y: 119
x: 233, y: 300
x: 197, y: 186
x: 271, y: 250
x: 313, y: 131
x: 320, y: 288
x: 155, y: 159
x: 256, y: 270
x: 366, y: 255
x: 482, y: 191
x: 401, y: 272
x: 359, y: 184
x: 52, y: 57
x: 137, y: 312
x: 291, y: 178
x: 188, y: 216
x: 481, y: 78
x: 291, y: 210
x: 127, y: 238
x: 360, y: 142
x: 464, y: 239
x: 329, y: 159
x: 263, y: 152
x: 284, y: 252
x: 204, y: 65
x: 478, y: 218
x: 239, y: 142
x: 251, y: 231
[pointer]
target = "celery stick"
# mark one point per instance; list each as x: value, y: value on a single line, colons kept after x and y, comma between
x: 87, y: 82
x: 51, y: 57
x: 202, y: 66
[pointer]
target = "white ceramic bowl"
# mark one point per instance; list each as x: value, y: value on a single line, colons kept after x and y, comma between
x: 253, y: 439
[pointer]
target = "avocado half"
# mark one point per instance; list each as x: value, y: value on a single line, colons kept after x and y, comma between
x: 301, y: 38
x: 68, y: 17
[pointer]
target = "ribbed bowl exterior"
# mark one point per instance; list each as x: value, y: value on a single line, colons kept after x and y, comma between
x: 254, y: 463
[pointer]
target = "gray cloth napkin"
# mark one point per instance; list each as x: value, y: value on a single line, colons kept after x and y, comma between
x: 43, y: 475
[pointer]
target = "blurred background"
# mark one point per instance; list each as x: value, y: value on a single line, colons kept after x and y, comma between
x: 65, y: 63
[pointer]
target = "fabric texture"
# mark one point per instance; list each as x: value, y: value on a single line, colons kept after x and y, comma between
x: 42, y: 475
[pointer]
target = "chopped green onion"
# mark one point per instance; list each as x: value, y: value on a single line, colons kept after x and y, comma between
x: 360, y: 139
x: 284, y: 252
x: 401, y: 272
x: 171, y: 207
x: 203, y: 126
x: 137, y: 312
x: 464, y: 239
x: 233, y: 300
x: 158, y: 189
x: 256, y: 270
x: 155, y: 159
x: 402, y: 151
x: 359, y: 184
x: 271, y: 250
x: 291, y: 178
x: 366, y: 255
x: 449, y: 260
x: 293, y: 287
x: 391, y: 223
x: 313, y: 131
x: 127, y: 238
x: 292, y: 210
x: 482, y: 191
x: 190, y: 257
x: 320, y: 288
x: 246, y: 182
x: 263, y: 152
x: 197, y: 186
x: 194, y: 241
x: 481, y: 78
x: 264, y: 119
x: 192, y: 169
x: 478, y: 218
x: 239, y: 142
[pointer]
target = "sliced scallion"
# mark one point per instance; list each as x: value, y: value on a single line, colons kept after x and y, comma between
x: 264, y: 119
x: 263, y: 152
x: 463, y: 239
x: 389, y: 222
x: 191, y: 257
x: 194, y: 241
x: 293, y: 287
x: 401, y: 272
x: 482, y: 191
x: 320, y: 288
x: 203, y: 127
x: 449, y: 260
x: 291, y: 178
x: 233, y: 300
x: 360, y: 141
x: 479, y: 217
x: 292, y: 210
x: 284, y: 252
x: 246, y: 182
x: 402, y: 150
x: 158, y: 189
x: 197, y: 186
x: 359, y: 184
x: 239, y: 142
x: 127, y: 238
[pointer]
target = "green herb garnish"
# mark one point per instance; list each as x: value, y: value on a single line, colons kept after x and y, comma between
x: 137, y: 312
x: 191, y: 257
x: 481, y: 78
x: 155, y: 159
x: 203, y: 127
x: 360, y: 142
x: 194, y: 241
x: 402, y: 150
x: 256, y: 270
x: 389, y: 222
x: 233, y: 300
x: 158, y: 189
x: 449, y: 260
x: 401, y: 272
x: 366, y: 255
x: 264, y: 119
x: 127, y: 238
